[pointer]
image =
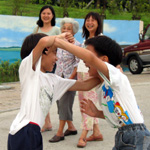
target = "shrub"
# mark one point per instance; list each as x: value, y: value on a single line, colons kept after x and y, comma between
x: 9, y: 72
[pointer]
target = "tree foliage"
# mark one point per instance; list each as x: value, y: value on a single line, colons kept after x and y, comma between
x: 18, y: 6
x: 9, y: 72
x: 136, y: 7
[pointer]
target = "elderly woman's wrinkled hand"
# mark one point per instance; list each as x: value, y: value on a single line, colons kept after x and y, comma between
x: 67, y: 36
x: 70, y: 37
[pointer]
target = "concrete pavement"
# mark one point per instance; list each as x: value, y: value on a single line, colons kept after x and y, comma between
x: 10, y: 103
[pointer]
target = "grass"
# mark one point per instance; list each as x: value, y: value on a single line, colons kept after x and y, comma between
x: 10, y: 49
x: 33, y: 10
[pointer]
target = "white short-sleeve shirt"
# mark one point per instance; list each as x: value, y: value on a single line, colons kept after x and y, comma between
x: 38, y: 91
x: 117, y: 99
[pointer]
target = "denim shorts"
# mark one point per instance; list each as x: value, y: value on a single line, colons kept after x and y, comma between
x: 132, y: 137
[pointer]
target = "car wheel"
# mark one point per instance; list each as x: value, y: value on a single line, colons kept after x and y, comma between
x: 134, y: 65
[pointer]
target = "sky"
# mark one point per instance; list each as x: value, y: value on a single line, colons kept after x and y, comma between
x: 13, y: 30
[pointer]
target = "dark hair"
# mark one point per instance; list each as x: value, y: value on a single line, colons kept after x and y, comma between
x: 104, y: 45
x: 95, y: 16
x: 40, y: 22
x: 29, y: 43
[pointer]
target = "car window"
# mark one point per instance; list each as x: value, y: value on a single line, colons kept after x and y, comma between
x: 147, y: 34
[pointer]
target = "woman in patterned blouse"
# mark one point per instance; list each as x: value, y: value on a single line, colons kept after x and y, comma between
x: 67, y: 68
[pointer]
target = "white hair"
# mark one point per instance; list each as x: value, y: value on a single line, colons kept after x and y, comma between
x: 72, y: 21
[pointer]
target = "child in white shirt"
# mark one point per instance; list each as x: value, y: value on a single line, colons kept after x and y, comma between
x: 116, y: 97
x: 39, y: 90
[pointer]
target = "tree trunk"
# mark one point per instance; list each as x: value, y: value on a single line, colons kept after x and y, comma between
x: 37, y: 2
x: 82, y: 4
x: 89, y: 4
x: 98, y: 4
x: 27, y: 1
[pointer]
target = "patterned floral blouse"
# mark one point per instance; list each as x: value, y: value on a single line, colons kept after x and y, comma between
x: 66, y: 62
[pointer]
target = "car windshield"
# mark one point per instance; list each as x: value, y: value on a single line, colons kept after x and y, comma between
x: 147, y: 34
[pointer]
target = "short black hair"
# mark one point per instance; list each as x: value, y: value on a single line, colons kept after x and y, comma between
x: 40, y: 22
x: 29, y: 43
x: 95, y: 16
x: 104, y: 45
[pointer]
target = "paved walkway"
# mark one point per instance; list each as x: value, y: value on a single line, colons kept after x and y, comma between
x: 10, y: 103
x: 9, y: 96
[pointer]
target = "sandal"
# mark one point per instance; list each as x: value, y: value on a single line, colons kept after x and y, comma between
x: 82, y: 144
x: 69, y: 132
x: 95, y: 138
x: 56, y: 139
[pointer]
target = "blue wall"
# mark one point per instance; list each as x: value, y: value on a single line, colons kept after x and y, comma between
x: 13, y: 30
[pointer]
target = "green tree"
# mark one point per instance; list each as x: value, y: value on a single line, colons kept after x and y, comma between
x: 112, y: 7
x: 128, y: 6
x: 138, y: 8
x: 46, y: 2
x: 18, y: 6
x: 35, y: 1
x: 9, y: 72
x: 65, y: 4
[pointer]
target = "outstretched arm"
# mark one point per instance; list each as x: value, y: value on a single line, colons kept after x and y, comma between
x: 47, y: 42
x: 83, y: 54
x: 85, y: 85
x: 88, y: 107
x: 74, y: 73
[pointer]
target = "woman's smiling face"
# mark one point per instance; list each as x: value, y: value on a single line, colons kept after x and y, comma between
x: 46, y: 15
x: 91, y: 24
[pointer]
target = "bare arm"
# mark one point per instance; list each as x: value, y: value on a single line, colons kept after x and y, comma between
x: 85, y: 85
x: 88, y: 107
x: 74, y: 73
x: 83, y: 54
x: 46, y: 42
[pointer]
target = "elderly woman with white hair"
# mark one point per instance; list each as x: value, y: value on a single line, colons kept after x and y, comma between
x: 67, y: 68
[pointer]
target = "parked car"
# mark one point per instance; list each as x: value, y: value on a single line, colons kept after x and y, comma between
x: 137, y: 56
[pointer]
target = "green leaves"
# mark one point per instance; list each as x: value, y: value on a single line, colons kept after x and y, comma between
x: 9, y: 72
